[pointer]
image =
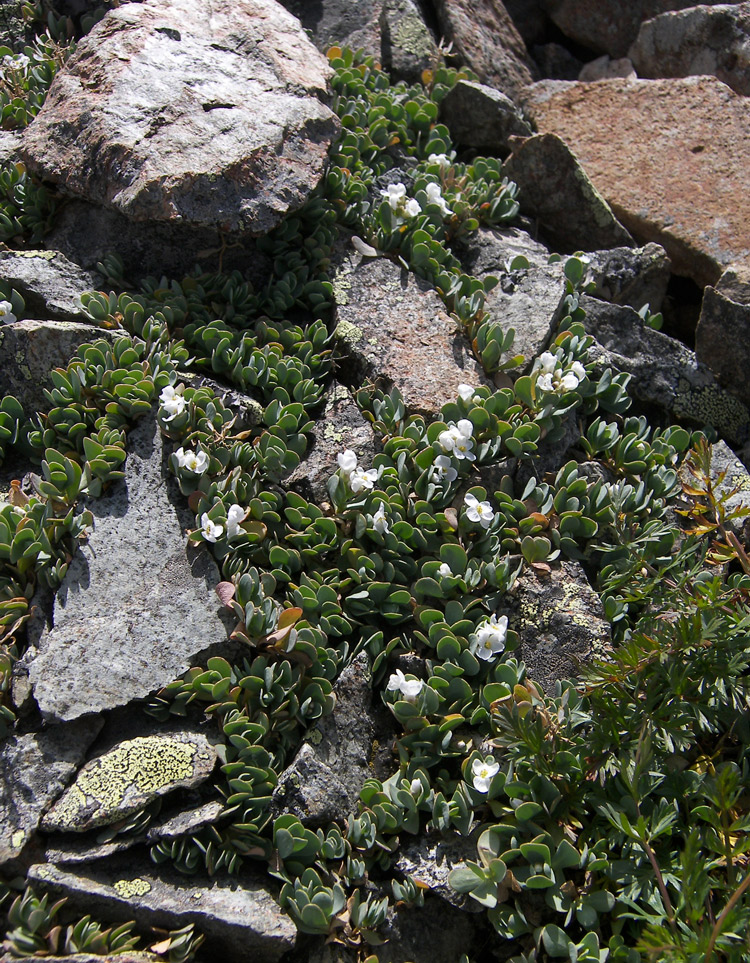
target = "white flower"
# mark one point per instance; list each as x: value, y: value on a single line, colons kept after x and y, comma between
x: 442, y: 159
x: 6, y: 313
x: 578, y: 370
x: 545, y: 382
x: 412, y: 207
x: 415, y: 787
x: 445, y: 570
x: 435, y: 196
x: 467, y: 392
x: 194, y: 462
x: 442, y: 468
x: 172, y: 402
x: 482, y: 772
x: 409, y: 688
x: 379, y: 520
x: 235, y: 515
x: 465, y: 427
x: 457, y: 439
x: 210, y: 530
x: 490, y: 637
x: 360, y: 479
x: 347, y: 461
x: 547, y: 362
x: 569, y: 381
x: 396, y: 195
x: 477, y: 511
x: 463, y: 449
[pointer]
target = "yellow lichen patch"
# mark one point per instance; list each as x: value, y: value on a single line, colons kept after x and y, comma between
x: 132, y: 887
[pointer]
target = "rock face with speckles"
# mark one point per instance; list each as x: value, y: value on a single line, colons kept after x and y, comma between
x: 241, y: 923
x: 34, y: 769
x: 394, y: 329
x: 128, y: 777
x: 49, y: 283
x: 560, y: 622
x: 556, y: 191
x: 136, y: 607
x: 671, y: 165
x: 204, y: 114
x: 665, y: 375
x: 722, y: 338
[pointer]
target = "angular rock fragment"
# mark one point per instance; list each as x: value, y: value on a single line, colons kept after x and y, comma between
x: 34, y: 770
x: 631, y: 275
x: 345, y: 23
x: 430, y: 859
x: 560, y: 622
x: 529, y: 300
x: 556, y: 190
x: 485, y: 38
x: 604, y: 68
x: 202, y: 114
x: 136, y: 607
x: 341, y: 426
x: 479, y: 116
x: 700, y: 40
x: 31, y: 349
x: 722, y: 338
x: 395, y: 330
x: 325, y: 778
x: 49, y: 283
x: 242, y: 923
x: 130, y: 776
x: 671, y: 166
x: 664, y: 373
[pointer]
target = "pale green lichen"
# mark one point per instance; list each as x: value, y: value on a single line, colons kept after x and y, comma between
x: 128, y: 888
x: 413, y: 37
x: 341, y: 285
x: 348, y: 333
x: 121, y: 781
x: 710, y: 405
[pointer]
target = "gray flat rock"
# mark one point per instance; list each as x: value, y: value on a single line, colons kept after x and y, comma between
x: 49, y: 283
x: 482, y: 117
x: 207, y: 114
x: 242, y: 923
x: 631, y: 275
x: 34, y: 770
x: 722, y: 338
x: 136, y: 608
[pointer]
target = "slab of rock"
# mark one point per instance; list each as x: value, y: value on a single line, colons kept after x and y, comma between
x: 555, y: 189
x: 700, y: 40
x: 529, y: 300
x: 560, y: 623
x: 341, y: 426
x: 671, y: 165
x: 242, y: 923
x: 130, y: 776
x: 324, y: 780
x: 722, y: 338
x: 664, y: 373
x: 607, y: 26
x: 136, y: 608
x: 49, y: 283
x: 407, y: 46
x: 394, y: 329
x: 631, y: 275
x: 479, y: 116
x: 204, y: 114
x: 31, y: 349
x: 485, y: 38
x: 34, y: 770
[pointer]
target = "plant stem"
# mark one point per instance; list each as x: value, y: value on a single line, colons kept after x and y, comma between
x: 716, y: 931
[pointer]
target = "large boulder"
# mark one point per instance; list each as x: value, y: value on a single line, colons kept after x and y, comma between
x: 485, y: 38
x: 49, y: 283
x: 608, y: 26
x: 670, y: 157
x: 206, y: 114
x: 136, y: 607
x: 699, y: 40
x: 556, y: 190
